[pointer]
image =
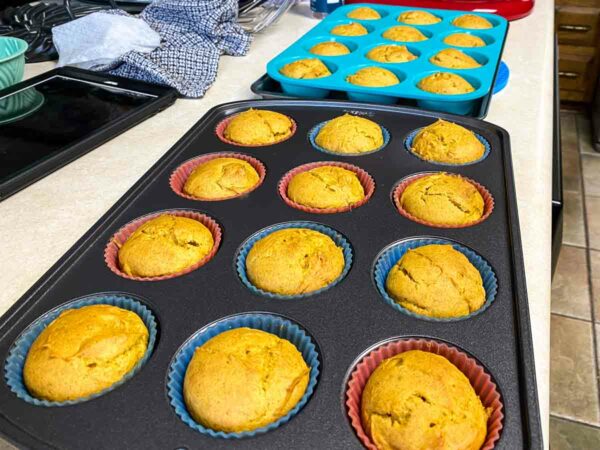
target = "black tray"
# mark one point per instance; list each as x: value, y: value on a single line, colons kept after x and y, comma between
x: 344, y: 321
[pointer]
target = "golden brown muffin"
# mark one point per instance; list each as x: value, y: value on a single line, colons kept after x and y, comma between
x: 305, y: 69
x: 472, y: 22
x: 294, y: 261
x: 391, y: 54
x: 350, y: 134
x: 221, y: 178
x: 445, y: 83
x: 419, y: 400
x: 165, y: 245
x: 443, y: 199
x: 418, y: 18
x: 84, y: 351
x: 326, y: 187
x: 436, y: 281
x: 329, y: 49
x: 447, y: 142
x: 454, y: 59
x: 402, y: 33
x: 258, y: 127
x: 373, y: 77
x: 244, y: 379
x: 364, y: 13
x: 350, y: 29
x: 464, y: 40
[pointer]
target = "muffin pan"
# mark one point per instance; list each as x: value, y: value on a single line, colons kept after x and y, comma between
x: 343, y: 322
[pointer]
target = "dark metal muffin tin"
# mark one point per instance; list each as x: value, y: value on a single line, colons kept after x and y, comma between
x: 344, y: 321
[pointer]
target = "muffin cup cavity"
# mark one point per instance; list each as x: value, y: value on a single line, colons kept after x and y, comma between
x: 390, y: 255
x: 312, y: 136
x: 221, y: 126
x: 182, y: 173
x: 13, y: 368
x: 111, y: 252
x: 242, y: 253
x: 271, y: 323
x: 480, y: 380
x: 365, y: 180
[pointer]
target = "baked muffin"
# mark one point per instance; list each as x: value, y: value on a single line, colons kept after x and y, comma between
x: 391, y: 54
x: 350, y: 29
x: 165, y: 245
x: 418, y: 17
x: 258, y: 127
x: 364, y: 13
x: 326, y: 187
x: 451, y: 58
x: 447, y: 142
x: 445, y: 83
x: 244, y: 379
x: 84, y: 351
x: 305, y: 69
x: 294, y: 261
x: 221, y: 178
x: 419, y: 400
x: 373, y: 77
x: 403, y: 33
x: 436, y: 281
x: 443, y: 199
x: 350, y: 134
x: 472, y: 22
x: 464, y: 40
x: 329, y: 49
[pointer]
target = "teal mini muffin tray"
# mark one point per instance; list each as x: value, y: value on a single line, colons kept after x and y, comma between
x: 409, y: 73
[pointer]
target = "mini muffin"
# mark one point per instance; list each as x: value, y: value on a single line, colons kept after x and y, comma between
x: 294, y: 261
x: 244, y: 379
x: 373, y: 77
x: 364, y: 13
x: 402, y: 33
x: 445, y: 83
x: 436, y: 281
x: 451, y: 58
x: 305, y: 69
x: 326, y: 187
x: 350, y: 134
x: 391, y: 54
x: 419, y: 400
x: 472, y: 22
x: 258, y: 127
x: 350, y: 29
x: 443, y: 199
x: 329, y: 49
x: 84, y: 351
x: 165, y: 245
x: 447, y: 142
x: 221, y: 178
x: 418, y: 18
x: 464, y: 40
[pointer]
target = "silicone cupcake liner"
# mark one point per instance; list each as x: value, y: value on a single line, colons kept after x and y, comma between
x: 312, y: 135
x: 392, y: 254
x: 13, y: 369
x: 220, y: 132
x: 270, y: 323
x: 181, y: 174
x: 365, y: 180
x: 488, y: 201
x: 111, y: 252
x: 482, y: 383
x: 339, y: 240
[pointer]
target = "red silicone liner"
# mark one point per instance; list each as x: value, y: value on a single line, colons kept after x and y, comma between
x: 488, y: 201
x: 111, y: 252
x: 220, y: 132
x: 181, y: 174
x: 481, y: 381
x: 365, y: 180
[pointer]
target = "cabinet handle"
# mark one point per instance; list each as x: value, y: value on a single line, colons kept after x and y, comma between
x: 570, y: 75
x: 575, y: 28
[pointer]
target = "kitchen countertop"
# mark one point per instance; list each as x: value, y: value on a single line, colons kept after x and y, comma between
x: 40, y: 223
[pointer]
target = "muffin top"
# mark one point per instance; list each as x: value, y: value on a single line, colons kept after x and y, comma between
x: 445, y: 83
x: 329, y: 49
x: 350, y: 29
x: 326, y: 187
x: 294, y: 261
x: 401, y: 33
x: 436, y: 281
x: 373, y: 77
x: 244, y: 379
x: 165, y: 245
x: 364, y: 13
x: 464, y: 40
x: 350, y: 134
x: 84, y: 351
x: 391, y: 54
x: 418, y: 17
x: 258, y: 127
x: 220, y: 178
x: 472, y: 21
x: 443, y: 199
x: 417, y: 400
x: 452, y: 58
x: 447, y: 142
x: 305, y: 69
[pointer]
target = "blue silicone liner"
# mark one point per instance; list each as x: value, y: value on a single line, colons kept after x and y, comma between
x: 13, y: 369
x: 340, y: 241
x: 270, y: 323
x: 392, y: 254
x: 312, y: 135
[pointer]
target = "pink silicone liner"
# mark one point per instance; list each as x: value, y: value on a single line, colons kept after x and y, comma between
x: 220, y: 132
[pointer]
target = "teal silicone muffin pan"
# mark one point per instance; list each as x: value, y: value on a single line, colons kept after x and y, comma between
x: 409, y: 73
x: 12, y: 60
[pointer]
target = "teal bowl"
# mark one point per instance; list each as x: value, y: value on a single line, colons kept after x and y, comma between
x: 12, y: 60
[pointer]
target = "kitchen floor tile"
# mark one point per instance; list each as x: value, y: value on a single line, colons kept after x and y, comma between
x: 573, y: 225
x: 571, y: 172
x: 595, y: 282
x: 592, y: 207
x: 570, y: 287
x: 584, y: 130
x: 566, y: 435
x: 568, y: 132
x: 591, y: 172
x: 5, y: 445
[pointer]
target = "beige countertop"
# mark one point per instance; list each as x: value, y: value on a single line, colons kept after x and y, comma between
x: 39, y: 224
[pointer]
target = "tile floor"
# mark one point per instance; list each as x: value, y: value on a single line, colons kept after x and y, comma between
x: 575, y: 328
